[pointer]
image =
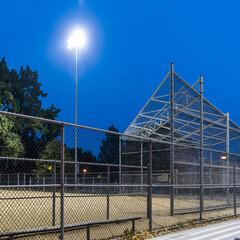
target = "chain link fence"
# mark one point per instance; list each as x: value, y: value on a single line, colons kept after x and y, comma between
x: 60, y: 180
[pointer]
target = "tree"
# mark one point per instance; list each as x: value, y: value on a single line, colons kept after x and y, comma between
x: 21, y: 93
x: 83, y: 157
x: 28, y: 94
x: 6, y: 96
x: 10, y: 142
x: 53, y: 152
x: 109, y: 149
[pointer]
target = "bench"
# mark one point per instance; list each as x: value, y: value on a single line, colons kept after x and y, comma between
x: 32, y: 232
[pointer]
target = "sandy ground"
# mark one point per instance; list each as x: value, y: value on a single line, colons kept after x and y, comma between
x: 22, y: 214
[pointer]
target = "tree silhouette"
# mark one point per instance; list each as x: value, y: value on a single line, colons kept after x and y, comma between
x: 109, y: 149
x: 21, y: 93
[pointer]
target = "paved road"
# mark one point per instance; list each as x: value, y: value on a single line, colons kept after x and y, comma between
x: 229, y: 230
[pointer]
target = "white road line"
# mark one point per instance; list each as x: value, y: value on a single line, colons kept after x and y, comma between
x: 227, y: 235
x: 201, y: 229
x: 214, y: 233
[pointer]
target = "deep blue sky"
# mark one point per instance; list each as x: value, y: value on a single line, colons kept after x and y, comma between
x: 131, y: 43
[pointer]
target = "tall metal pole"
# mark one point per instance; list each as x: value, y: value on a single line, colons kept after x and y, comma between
x: 201, y: 146
x: 172, y: 138
x: 227, y: 153
x: 76, y: 165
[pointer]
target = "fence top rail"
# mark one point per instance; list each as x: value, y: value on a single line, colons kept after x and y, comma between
x: 140, y: 138
x: 74, y: 185
x: 31, y: 117
x: 70, y: 124
x: 108, y: 185
x: 31, y: 186
x: 71, y: 162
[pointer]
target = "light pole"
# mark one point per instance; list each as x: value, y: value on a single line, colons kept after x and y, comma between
x: 76, y: 41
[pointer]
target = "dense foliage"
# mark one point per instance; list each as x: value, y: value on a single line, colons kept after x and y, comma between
x: 21, y: 93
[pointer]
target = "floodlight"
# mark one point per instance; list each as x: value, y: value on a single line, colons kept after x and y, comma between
x: 223, y: 157
x: 77, y: 40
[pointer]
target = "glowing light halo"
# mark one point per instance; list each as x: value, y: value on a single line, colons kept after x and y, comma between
x: 78, y: 40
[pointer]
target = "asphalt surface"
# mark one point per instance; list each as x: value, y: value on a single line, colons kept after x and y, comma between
x: 229, y: 230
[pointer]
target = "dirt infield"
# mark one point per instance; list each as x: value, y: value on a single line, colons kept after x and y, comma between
x: 19, y: 213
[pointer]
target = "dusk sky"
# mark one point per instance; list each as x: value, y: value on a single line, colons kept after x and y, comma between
x: 130, y: 46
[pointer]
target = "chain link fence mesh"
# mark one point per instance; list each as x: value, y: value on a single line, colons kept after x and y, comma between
x: 106, y: 188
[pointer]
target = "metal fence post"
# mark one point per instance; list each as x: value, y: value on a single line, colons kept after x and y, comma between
x: 62, y: 182
x: 120, y: 162
x: 201, y: 146
x: 176, y: 181
x: 88, y: 232
x: 38, y: 178
x: 234, y: 186
x: 18, y: 179
x: 44, y: 182
x: 108, y: 197
x: 141, y: 166
x: 211, y: 170
x: 54, y: 194
x: 227, y: 153
x: 172, y: 139
x: 149, y: 207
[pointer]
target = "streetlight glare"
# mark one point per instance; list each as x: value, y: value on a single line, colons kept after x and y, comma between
x: 77, y: 40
